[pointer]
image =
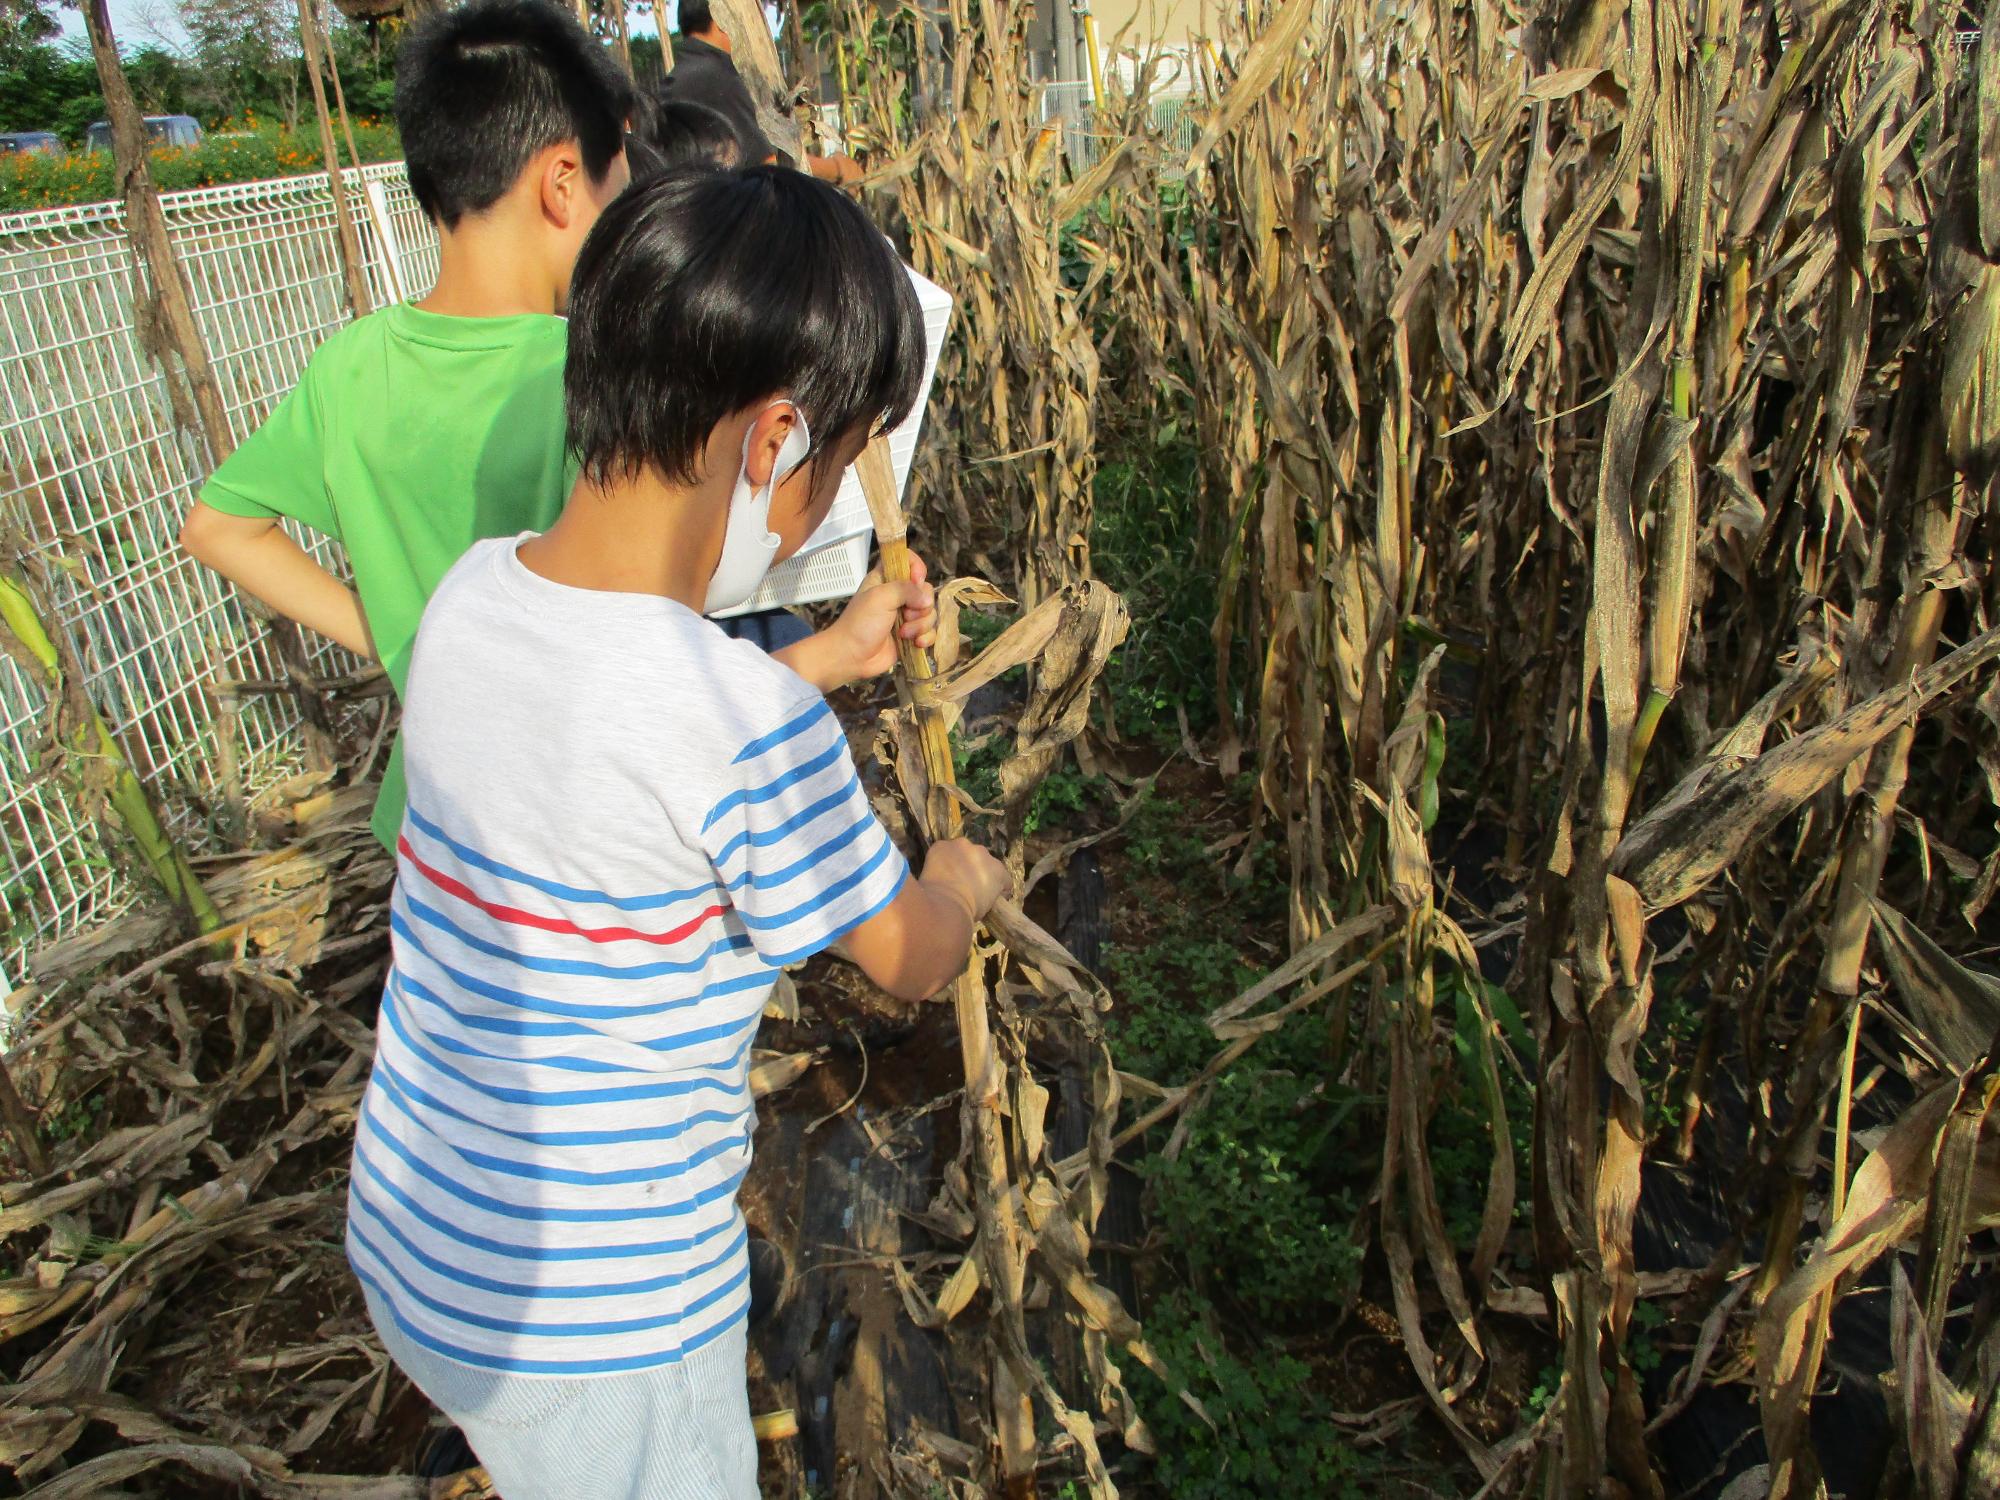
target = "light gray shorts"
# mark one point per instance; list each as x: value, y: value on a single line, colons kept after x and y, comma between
x: 677, y: 1432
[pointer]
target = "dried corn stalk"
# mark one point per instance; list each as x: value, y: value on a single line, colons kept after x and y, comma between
x: 1010, y: 449
x: 225, y: 1087
x: 1602, y: 349
x: 1015, y: 1199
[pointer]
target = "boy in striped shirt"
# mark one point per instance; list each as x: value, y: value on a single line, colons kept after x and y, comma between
x: 622, y: 824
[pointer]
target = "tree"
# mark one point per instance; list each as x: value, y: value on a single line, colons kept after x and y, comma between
x: 365, y: 53
x: 37, y: 79
x: 247, y: 57
x: 215, y: 59
x: 24, y: 24
x: 162, y: 83
x: 646, y: 64
x: 44, y: 87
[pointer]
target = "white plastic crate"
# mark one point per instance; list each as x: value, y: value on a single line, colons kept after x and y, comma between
x: 834, y: 559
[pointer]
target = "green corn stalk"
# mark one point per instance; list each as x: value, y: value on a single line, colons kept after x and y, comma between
x: 163, y: 857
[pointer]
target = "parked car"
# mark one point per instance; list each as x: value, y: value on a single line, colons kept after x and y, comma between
x: 30, y: 143
x: 161, y: 130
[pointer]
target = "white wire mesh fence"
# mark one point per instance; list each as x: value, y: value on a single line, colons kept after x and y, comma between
x: 1087, y: 128
x: 96, y: 473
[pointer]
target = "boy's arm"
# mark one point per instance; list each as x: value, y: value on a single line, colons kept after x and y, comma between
x: 839, y: 169
x: 919, y: 943
x: 806, y: 864
x: 257, y: 555
x: 279, y: 471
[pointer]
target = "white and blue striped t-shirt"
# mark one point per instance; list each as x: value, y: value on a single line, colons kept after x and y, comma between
x: 621, y: 824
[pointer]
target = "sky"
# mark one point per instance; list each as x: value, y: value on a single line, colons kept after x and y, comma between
x: 135, y: 21
x: 139, y: 22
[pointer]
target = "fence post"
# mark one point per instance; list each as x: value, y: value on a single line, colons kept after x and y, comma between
x: 358, y: 300
x: 1062, y: 22
x: 163, y: 318
x: 162, y: 305
x: 1091, y: 54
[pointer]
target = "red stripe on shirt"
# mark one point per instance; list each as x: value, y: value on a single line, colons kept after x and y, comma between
x: 519, y: 918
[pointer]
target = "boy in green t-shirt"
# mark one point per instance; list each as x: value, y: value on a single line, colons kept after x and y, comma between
x: 426, y: 427
x: 423, y: 428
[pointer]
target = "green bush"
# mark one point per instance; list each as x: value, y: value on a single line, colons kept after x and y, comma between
x: 1253, y: 1201
x: 250, y: 153
x: 1272, y: 1434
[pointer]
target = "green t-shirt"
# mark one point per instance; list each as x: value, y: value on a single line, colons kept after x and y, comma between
x: 411, y: 436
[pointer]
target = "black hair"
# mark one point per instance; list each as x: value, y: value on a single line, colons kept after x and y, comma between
x: 694, y: 17
x: 703, y: 292
x: 481, y: 89
x: 640, y: 157
x: 677, y: 134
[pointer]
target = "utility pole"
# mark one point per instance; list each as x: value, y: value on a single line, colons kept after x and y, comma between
x: 1062, y: 24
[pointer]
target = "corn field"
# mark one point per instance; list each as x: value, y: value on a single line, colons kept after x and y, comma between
x: 1594, y: 418
x: 1597, y: 418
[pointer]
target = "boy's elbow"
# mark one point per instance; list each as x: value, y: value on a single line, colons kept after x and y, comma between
x: 899, y: 977
x: 899, y: 962
x: 211, y: 536
x: 909, y: 950
x: 197, y: 536
x: 916, y: 988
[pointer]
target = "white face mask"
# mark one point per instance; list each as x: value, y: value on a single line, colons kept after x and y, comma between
x: 749, y: 546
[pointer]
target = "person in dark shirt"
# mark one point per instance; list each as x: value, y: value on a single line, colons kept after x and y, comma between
x: 704, y: 73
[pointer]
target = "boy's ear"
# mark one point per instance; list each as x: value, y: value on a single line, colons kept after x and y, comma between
x: 562, y: 181
x: 768, y: 431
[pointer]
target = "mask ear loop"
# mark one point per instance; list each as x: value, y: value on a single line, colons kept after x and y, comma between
x: 796, y: 448
x: 749, y: 542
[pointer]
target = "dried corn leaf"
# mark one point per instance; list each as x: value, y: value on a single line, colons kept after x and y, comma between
x: 1680, y: 845
x: 1932, y: 1412
x: 1955, y: 1008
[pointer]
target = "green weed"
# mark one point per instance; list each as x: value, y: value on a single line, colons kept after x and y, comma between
x: 1547, y: 1384
x: 978, y: 767
x: 1641, y: 1348
x: 1669, y: 1042
x: 1254, y: 1201
x: 75, y: 1120
x: 1059, y: 802
x: 1062, y: 797
x: 1145, y: 543
x: 1461, y: 1131
x: 1161, y: 839
x: 1165, y: 991
x: 1273, y: 1435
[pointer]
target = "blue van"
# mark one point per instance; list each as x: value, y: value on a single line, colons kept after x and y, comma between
x: 30, y: 143
x: 161, y: 130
